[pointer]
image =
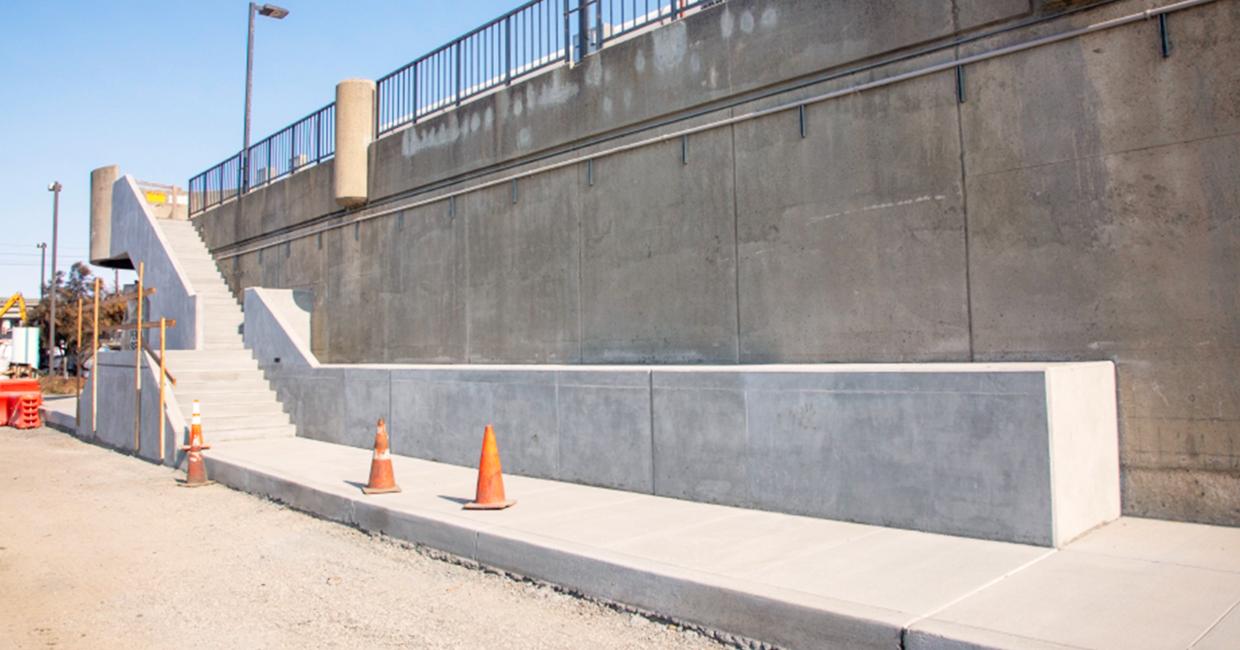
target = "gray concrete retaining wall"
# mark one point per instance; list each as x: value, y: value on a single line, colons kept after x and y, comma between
x: 114, y: 422
x: 966, y: 449
x: 135, y: 234
x: 1080, y: 204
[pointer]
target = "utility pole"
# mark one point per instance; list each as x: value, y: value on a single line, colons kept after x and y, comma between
x: 271, y: 11
x: 42, y: 246
x: 54, y: 188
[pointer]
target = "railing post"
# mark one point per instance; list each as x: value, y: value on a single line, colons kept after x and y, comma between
x: 457, y: 49
x: 507, y: 50
x: 318, y: 135
x: 583, y: 28
x: 267, y: 173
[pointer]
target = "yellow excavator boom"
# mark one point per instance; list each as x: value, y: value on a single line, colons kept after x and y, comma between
x: 21, y: 305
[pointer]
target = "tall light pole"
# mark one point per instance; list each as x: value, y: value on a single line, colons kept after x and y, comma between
x: 54, y: 188
x: 42, y: 246
x: 271, y: 11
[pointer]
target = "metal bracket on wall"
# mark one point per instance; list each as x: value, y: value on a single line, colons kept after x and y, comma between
x: 960, y: 97
x: 684, y: 150
x: 590, y: 172
x: 801, y: 116
x: 1164, y: 37
x: 514, y: 191
x: 451, y: 206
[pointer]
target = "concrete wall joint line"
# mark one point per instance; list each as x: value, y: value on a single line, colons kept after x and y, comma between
x: 366, y: 215
x: 1235, y: 606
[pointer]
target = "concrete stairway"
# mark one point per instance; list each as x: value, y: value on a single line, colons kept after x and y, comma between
x: 237, y: 403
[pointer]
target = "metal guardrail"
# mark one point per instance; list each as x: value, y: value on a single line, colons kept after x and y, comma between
x: 308, y: 141
x: 536, y: 35
x: 528, y: 38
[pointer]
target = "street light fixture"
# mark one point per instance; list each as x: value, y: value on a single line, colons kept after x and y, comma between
x: 277, y: 13
x: 54, y: 188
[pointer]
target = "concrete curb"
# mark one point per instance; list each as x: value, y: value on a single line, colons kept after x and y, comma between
x: 58, y: 420
x: 698, y: 599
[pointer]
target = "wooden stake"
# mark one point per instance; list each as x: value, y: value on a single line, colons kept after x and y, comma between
x: 137, y: 370
x: 162, y: 381
x: 94, y: 366
x: 77, y: 375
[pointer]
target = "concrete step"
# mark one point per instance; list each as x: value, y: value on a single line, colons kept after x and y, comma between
x: 217, y: 397
x: 191, y: 356
x: 187, y: 366
x: 216, y: 420
x: 191, y: 389
x: 225, y: 404
x: 287, y: 431
x: 224, y: 374
x: 223, y: 347
x: 221, y: 339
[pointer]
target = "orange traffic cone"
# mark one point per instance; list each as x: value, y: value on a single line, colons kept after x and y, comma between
x: 196, y: 471
x: 381, y: 478
x: 490, y: 477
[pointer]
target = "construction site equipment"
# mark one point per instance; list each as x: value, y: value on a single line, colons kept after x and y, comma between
x: 24, y: 350
x: 15, y: 299
x: 20, y: 400
x: 490, y: 494
x: 196, y: 469
x: 382, y: 480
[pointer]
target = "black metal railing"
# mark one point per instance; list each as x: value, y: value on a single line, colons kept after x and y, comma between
x: 538, y: 34
x: 308, y: 141
x: 526, y: 39
x: 615, y: 18
x: 300, y: 144
x: 216, y: 185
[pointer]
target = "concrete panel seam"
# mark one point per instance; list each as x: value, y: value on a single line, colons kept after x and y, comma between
x: 736, y: 240
x: 982, y: 587
x: 654, y: 456
x: 1216, y: 623
x: 1049, y: 406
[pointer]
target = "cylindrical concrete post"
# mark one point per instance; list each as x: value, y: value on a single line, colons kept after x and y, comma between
x: 101, y: 181
x: 355, y: 127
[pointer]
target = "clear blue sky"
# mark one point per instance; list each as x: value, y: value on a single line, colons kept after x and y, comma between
x: 158, y: 88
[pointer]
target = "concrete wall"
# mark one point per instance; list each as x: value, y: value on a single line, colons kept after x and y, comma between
x: 114, y: 421
x: 983, y: 450
x: 1080, y: 204
x: 136, y: 235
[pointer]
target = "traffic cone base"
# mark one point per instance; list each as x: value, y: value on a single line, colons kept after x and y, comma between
x: 380, y: 490
x: 490, y: 494
x: 382, y: 480
x: 474, y: 505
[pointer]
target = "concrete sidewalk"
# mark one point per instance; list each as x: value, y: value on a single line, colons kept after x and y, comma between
x: 783, y: 579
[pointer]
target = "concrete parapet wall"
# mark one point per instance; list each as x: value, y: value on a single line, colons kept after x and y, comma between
x: 982, y: 450
x: 1079, y: 204
x: 114, y: 420
x: 135, y: 235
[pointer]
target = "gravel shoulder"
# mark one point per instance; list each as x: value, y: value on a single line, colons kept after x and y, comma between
x: 100, y: 550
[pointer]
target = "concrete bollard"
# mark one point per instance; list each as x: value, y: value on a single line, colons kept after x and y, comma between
x: 355, y: 113
x: 101, y: 181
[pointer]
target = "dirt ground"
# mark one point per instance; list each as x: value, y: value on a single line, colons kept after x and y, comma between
x: 100, y: 550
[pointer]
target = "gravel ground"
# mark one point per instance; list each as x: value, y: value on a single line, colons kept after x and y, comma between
x: 99, y: 550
